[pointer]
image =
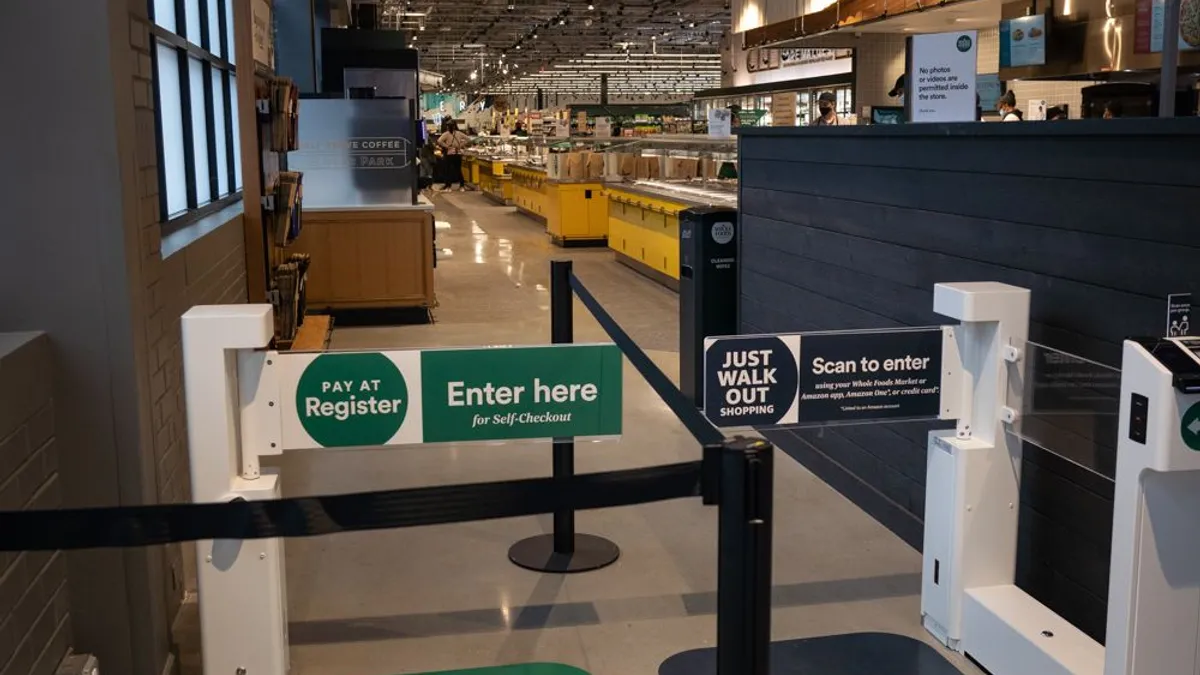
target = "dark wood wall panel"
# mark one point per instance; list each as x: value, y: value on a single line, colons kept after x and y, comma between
x: 852, y: 227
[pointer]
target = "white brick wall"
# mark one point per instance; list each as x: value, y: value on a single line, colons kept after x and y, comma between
x: 211, y: 270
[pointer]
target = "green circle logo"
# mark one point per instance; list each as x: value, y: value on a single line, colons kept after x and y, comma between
x: 1189, y: 427
x: 964, y: 43
x: 351, y: 399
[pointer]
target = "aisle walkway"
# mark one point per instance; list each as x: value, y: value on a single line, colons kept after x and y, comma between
x: 445, y: 597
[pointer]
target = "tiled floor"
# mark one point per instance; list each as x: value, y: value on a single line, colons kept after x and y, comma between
x: 445, y: 597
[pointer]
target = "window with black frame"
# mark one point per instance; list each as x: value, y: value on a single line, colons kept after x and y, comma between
x: 195, y: 86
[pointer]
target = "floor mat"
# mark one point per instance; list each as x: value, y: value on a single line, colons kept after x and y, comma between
x: 851, y: 654
x: 528, y: 669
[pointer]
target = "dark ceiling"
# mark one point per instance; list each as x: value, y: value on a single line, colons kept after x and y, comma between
x: 500, y: 40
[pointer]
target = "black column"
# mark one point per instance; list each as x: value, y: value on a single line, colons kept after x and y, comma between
x: 603, y: 88
x: 564, y: 550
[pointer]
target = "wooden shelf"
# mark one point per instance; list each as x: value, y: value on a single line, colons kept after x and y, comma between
x: 313, y: 335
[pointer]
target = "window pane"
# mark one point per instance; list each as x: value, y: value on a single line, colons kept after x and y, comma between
x: 192, y: 14
x: 170, y: 110
x: 230, y: 51
x: 164, y: 14
x: 222, y: 167
x: 199, y: 131
x: 237, y: 138
x: 214, y: 29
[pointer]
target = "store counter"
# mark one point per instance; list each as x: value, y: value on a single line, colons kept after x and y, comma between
x: 495, y: 182
x: 574, y: 211
x: 377, y: 256
x: 643, y: 223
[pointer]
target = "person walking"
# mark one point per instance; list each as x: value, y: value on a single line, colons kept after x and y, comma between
x: 452, y: 143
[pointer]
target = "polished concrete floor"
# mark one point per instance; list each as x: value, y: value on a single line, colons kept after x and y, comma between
x: 445, y: 597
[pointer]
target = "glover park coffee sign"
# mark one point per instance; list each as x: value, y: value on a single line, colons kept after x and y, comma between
x: 816, y: 378
x: 354, y: 399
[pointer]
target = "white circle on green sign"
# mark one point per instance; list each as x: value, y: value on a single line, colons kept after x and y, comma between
x: 346, y: 400
x: 1189, y: 427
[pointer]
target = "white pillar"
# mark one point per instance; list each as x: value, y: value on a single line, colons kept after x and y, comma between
x: 243, y: 611
x: 973, y: 475
x: 1154, y: 579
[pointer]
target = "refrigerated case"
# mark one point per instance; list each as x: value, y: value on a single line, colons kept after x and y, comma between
x: 650, y: 182
x: 760, y: 104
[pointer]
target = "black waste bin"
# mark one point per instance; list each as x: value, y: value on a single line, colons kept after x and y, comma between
x: 708, y: 289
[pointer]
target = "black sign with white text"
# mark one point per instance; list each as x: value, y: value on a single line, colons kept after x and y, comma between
x: 858, y: 376
x: 749, y: 381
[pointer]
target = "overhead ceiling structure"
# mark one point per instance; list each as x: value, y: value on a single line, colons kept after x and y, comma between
x: 628, y: 74
x: 492, y: 44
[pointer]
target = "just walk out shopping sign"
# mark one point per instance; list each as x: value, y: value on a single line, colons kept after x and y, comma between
x: 764, y: 380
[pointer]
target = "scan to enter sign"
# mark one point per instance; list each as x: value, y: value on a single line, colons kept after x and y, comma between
x: 823, y: 377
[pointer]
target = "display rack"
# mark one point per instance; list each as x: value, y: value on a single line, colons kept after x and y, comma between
x: 277, y: 117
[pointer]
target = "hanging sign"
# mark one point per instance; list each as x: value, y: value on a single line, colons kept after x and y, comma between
x: 354, y: 399
x: 1023, y: 41
x: 943, y: 70
x: 827, y: 377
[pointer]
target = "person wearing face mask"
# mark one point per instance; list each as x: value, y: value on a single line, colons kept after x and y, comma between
x: 1007, y: 107
x: 825, y: 107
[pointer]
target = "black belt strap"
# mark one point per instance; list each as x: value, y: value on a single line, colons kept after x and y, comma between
x: 695, y: 421
x: 310, y: 516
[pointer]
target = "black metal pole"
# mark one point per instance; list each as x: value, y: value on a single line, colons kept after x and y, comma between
x: 565, y: 550
x: 562, y: 331
x: 744, y: 558
x: 1169, y: 73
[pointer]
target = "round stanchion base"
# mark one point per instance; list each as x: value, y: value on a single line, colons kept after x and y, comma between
x: 537, y: 554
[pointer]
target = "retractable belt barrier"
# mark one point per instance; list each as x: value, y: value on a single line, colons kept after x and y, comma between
x: 247, y: 633
x: 691, y: 417
x: 129, y: 526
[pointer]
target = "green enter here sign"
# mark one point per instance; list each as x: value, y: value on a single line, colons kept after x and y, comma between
x: 365, y: 399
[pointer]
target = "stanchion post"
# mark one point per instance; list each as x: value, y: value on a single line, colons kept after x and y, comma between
x: 564, y: 551
x: 562, y: 331
x: 744, y: 557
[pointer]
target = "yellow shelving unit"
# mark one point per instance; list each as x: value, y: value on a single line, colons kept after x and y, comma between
x: 644, y: 230
x: 529, y: 190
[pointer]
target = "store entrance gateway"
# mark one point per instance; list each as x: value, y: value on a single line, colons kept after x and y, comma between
x: 971, y: 373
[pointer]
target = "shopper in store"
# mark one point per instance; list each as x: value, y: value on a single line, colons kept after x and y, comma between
x: 1007, y: 107
x: 519, y: 130
x: 827, y: 110
x: 453, y: 142
x: 427, y: 164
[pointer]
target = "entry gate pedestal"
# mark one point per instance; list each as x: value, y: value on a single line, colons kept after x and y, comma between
x: 969, y: 600
x: 243, y: 606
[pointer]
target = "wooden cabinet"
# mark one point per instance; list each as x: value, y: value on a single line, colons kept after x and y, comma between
x: 369, y: 258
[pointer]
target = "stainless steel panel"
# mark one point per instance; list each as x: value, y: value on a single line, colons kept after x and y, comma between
x: 355, y: 152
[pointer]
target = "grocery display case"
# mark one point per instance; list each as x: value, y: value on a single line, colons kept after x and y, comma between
x: 561, y: 183
x: 649, y: 182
